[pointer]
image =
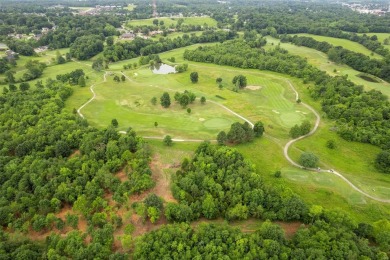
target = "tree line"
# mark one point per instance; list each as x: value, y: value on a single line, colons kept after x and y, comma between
x: 358, y: 61
x: 140, y: 46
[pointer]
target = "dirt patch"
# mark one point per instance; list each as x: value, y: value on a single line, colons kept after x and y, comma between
x: 142, y: 227
x: 75, y: 153
x: 290, y: 228
x: 162, y: 180
x: 254, y: 87
x: 122, y: 176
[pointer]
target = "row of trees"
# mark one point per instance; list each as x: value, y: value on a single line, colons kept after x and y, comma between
x: 241, y: 133
x: 358, y: 61
x: 299, y: 130
x: 325, y: 239
x: 140, y: 46
x: 75, y: 77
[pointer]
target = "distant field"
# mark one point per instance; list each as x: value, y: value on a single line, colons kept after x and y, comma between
x: 321, y: 61
x: 347, y: 44
x: 80, y: 8
x: 131, y: 7
x: 173, y: 21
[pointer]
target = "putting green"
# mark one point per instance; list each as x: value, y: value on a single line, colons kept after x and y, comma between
x: 289, y: 119
x: 217, y: 123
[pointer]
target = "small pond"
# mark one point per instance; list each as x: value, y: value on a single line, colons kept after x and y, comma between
x: 163, y: 69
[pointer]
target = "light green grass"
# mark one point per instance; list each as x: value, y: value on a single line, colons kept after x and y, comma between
x: 321, y: 61
x: 173, y: 21
x: 131, y: 7
x: 346, y: 44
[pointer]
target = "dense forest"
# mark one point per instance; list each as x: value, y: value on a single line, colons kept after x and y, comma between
x: 50, y: 159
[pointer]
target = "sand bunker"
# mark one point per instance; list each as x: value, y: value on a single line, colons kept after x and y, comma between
x: 254, y: 87
x: 201, y: 119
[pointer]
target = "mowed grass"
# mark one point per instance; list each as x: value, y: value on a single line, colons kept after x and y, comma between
x: 346, y: 44
x: 173, y: 21
x: 321, y: 61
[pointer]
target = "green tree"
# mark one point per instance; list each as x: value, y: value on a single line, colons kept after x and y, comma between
x: 155, y: 124
x: 240, y: 81
x: 110, y: 41
x: 258, y: 129
x: 154, y: 101
x: 165, y: 100
x: 10, y: 76
x: 153, y: 214
x: 184, y: 100
x: 189, y: 110
x: 116, y: 78
x: 308, y: 160
x: 278, y: 174
x: 194, y: 77
x: 218, y: 80
x: 24, y: 86
x: 98, y: 64
x: 305, y: 127
x: 221, y: 138
x: 81, y: 81
x: 295, y: 131
x: 59, y: 58
x: 127, y: 242
x: 209, y: 208
x: 331, y: 144
x: 382, y: 161
x: 114, y: 123
x: 202, y: 100
x: 123, y: 78
x: 168, y: 140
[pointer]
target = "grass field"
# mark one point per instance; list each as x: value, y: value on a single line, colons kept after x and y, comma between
x: 321, y: 61
x: 271, y: 101
x: 131, y: 7
x: 346, y: 44
x: 173, y: 21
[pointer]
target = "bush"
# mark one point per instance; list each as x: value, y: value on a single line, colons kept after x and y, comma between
x: 308, y: 160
